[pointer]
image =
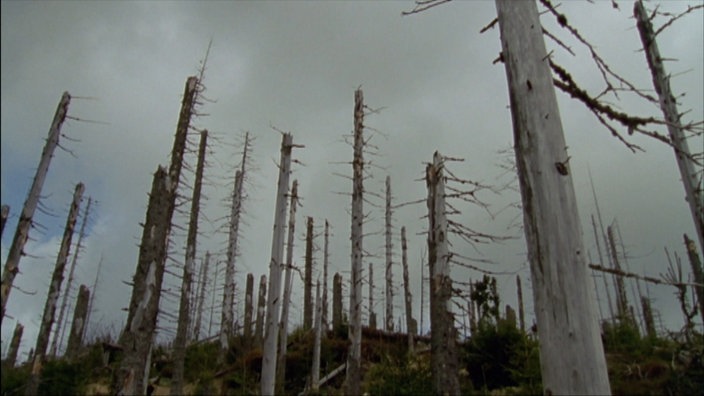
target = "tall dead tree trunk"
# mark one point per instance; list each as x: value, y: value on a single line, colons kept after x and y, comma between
x: 60, y: 325
x: 184, y: 318
x: 697, y: 272
x: 212, y: 299
x: 4, y: 213
x: 248, y: 307
x: 372, y: 315
x: 571, y: 354
x: 92, y: 298
x: 11, y: 358
x: 601, y: 261
x: 30, y: 204
x: 668, y: 104
x: 443, y: 351
x: 261, y: 312
x: 621, y: 299
x: 354, y: 356
x: 336, y: 301
x: 53, y: 294
x: 326, y: 257
x: 138, y: 334
x: 308, y: 278
x: 271, y: 336
x: 75, y: 337
x: 389, y: 320
x: 521, y: 315
x: 407, y: 298
x: 648, y: 317
x: 201, y: 297
x: 315, y: 370
x: 288, y: 279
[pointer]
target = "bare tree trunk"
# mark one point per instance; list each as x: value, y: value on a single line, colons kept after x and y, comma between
x: 248, y: 307
x: 521, y: 315
x: 4, y: 213
x: 571, y: 354
x: 668, y: 104
x: 184, y: 318
x: 697, y: 271
x: 443, y: 352
x: 315, y: 371
x: 354, y: 356
x: 308, y: 278
x: 389, y: 322
x: 201, y: 297
x: 336, y: 301
x: 261, y: 312
x: 422, y: 294
x: 30, y: 204
x: 53, y: 295
x: 601, y: 261
x: 648, y: 317
x: 326, y: 257
x: 138, y: 334
x: 268, y: 379
x: 283, y: 326
x: 14, y: 346
x: 621, y: 299
x: 60, y: 325
x: 92, y: 298
x: 212, y: 299
x: 407, y: 298
x: 372, y: 315
x: 75, y: 338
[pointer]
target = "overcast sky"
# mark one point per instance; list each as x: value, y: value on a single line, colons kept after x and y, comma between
x: 294, y: 66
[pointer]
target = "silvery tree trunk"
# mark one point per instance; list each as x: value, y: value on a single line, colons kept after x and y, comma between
x: 261, y: 312
x: 11, y: 358
x: 354, y: 356
x: 53, y: 294
x: 268, y: 379
x: 696, y: 264
x: 389, y: 320
x: 572, y: 356
x: 248, y: 307
x: 315, y: 371
x: 621, y: 299
x: 326, y: 256
x: 4, y: 213
x: 336, y: 301
x: 75, y: 337
x: 30, y: 204
x: 308, y: 277
x: 201, y: 296
x: 372, y: 315
x: 407, y: 298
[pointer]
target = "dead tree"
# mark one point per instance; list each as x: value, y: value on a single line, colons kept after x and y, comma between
x: 184, y: 318
x: 389, y: 321
x: 288, y: 279
x: 75, y: 338
x: 443, y: 351
x: 315, y: 370
x: 519, y: 292
x: 601, y: 261
x: 308, y: 278
x: 4, y: 213
x: 407, y: 298
x: 92, y: 298
x: 336, y: 301
x: 621, y: 299
x: 326, y: 257
x: 60, y: 325
x: 268, y: 378
x: 648, y: 317
x: 261, y: 312
x: 30, y: 204
x: 372, y: 315
x: 11, y: 358
x: 201, y: 297
x: 697, y: 272
x: 668, y: 105
x: 138, y: 334
x: 354, y: 356
x: 573, y: 361
x: 248, y: 307
x: 53, y: 295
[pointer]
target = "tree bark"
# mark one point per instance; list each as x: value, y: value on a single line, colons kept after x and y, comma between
x: 389, y: 320
x: 201, y: 296
x: 248, y: 307
x: 53, y: 294
x: 315, y: 371
x: 519, y: 292
x: 443, y: 351
x: 621, y: 299
x: 372, y: 315
x: 668, y: 104
x: 326, y: 257
x: 75, y: 338
x: 268, y: 379
x: 697, y: 272
x: 354, y: 356
x: 571, y: 352
x: 4, y: 213
x: 14, y: 346
x: 407, y: 298
x: 30, y: 204
x: 336, y: 301
x: 308, y: 278
x: 261, y: 312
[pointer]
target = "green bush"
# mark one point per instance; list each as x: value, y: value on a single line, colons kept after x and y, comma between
x: 410, y: 376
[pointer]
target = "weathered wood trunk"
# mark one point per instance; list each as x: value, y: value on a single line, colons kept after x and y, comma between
x: 326, y: 257
x: 201, y: 296
x: 443, y: 350
x: 354, y: 356
x: 601, y: 262
x: 11, y: 358
x: 510, y: 315
x: 315, y: 370
x: 261, y: 312
x: 668, y: 104
x: 53, y: 295
x: 336, y: 301
x: 271, y: 336
x: 571, y: 354
x: 4, y: 213
x: 30, y: 204
x: 648, y: 317
x: 92, y: 298
x: 389, y: 319
x: 138, y: 334
x: 308, y: 278
x: 248, y: 307
x: 521, y: 314
x: 621, y: 298
x: 75, y: 338
x: 283, y: 326
x: 407, y: 298
x: 372, y: 315
x: 60, y: 325
x: 697, y: 271
x: 184, y: 318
